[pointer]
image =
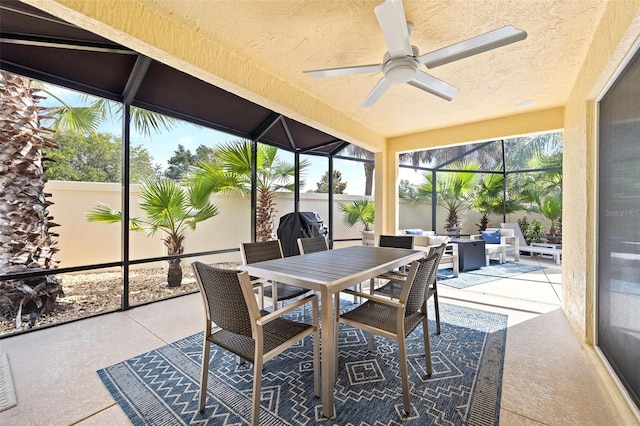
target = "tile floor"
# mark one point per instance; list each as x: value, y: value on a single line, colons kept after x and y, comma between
x: 547, y: 377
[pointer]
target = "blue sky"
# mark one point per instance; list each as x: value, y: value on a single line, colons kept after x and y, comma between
x: 161, y: 146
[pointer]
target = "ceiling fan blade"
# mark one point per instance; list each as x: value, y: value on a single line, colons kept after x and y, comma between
x: 335, y: 72
x: 473, y: 46
x: 433, y: 85
x: 375, y: 94
x: 393, y: 24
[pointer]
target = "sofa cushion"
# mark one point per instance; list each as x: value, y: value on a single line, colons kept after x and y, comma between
x: 491, y: 237
x: 435, y: 240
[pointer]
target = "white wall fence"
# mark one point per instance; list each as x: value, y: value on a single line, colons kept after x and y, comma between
x: 82, y: 242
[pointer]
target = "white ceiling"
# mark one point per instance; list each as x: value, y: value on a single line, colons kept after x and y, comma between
x: 287, y: 37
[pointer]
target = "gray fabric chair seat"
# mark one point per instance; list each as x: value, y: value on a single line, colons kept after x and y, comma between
x: 383, y: 317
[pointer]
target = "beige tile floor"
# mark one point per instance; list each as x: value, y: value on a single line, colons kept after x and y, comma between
x: 547, y: 377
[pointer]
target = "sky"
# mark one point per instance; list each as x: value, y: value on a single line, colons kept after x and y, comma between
x: 161, y: 146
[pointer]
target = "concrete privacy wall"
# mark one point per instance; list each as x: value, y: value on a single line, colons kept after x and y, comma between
x: 82, y: 242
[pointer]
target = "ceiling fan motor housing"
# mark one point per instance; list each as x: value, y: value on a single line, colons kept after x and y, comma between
x: 401, y: 70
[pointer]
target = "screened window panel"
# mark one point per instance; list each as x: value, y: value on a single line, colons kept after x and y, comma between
x: 618, y: 286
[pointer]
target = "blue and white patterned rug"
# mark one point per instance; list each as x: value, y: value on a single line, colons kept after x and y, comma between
x: 160, y: 387
x: 494, y: 271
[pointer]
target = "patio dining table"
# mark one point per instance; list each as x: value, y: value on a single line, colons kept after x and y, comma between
x: 329, y: 272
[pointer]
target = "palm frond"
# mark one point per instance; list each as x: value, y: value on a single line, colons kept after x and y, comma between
x: 104, y: 213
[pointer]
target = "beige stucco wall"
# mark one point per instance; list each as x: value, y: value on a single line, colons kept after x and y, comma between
x: 618, y: 31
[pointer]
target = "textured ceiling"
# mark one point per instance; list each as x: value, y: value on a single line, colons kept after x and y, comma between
x: 287, y: 37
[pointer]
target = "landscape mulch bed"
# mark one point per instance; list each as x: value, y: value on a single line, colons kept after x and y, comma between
x: 91, y: 293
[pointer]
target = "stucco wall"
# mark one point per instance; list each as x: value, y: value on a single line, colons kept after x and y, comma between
x: 82, y: 242
x: 619, y: 29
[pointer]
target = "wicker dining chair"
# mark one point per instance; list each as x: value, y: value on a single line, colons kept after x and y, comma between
x: 269, y: 250
x: 393, y: 241
x: 397, y: 319
x: 393, y: 287
x: 312, y: 244
x: 245, y: 330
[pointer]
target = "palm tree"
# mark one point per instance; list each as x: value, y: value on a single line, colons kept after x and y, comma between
x: 489, y: 199
x: 414, y: 158
x: 358, y: 211
x: 167, y: 208
x: 358, y: 152
x: 26, y: 241
x: 454, y: 192
x: 543, y: 190
x: 230, y: 171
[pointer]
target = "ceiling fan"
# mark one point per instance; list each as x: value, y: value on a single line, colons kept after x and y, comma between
x: 401, y: 64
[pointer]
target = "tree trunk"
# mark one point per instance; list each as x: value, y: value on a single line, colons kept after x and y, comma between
x: 368, y: 174
x: 265, y: 216
x: 174, y: 275
x: 174, y: 244
x: 26, y: 242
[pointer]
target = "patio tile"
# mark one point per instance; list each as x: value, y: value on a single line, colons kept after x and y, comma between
x: 548, y: 378
x: 54, y: 370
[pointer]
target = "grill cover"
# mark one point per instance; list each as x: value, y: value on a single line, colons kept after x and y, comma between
x: 299, y: 225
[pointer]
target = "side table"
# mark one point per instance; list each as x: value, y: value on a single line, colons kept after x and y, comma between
x: 471, y: 254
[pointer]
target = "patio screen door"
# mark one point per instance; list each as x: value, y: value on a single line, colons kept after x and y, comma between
x: 618, y: 286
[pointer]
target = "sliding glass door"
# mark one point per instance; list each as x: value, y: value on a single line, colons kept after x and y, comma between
x: 618, y: 285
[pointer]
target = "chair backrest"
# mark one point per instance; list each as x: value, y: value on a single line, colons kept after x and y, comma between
x: 421, y: 276
x: 223, y: 297
x: 260, y: 251
x: 518, y: 232
x: 396, y: 241
x: 312, y: 245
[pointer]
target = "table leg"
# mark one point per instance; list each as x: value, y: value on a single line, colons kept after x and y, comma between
x: 328, y: 358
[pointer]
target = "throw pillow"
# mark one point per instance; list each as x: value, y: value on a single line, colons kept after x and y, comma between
x: 413, y: 231
x: 491, y: 237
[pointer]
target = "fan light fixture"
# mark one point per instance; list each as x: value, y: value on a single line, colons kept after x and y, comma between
x: 401, y: 63
x: 401, y: 70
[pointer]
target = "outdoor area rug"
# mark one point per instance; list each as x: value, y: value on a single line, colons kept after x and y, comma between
x: 160, y: 387
x: 494, y: 271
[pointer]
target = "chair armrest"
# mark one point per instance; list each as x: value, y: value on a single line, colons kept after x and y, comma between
x: 451, y: 248
x: 289, y: 307
x: 394, y: 275
x: 375, y: 298
x: 475, y: 237
x: 510, y: 240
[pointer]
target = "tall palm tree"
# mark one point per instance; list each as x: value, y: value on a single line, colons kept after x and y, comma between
x: 168, y: 208
x: 230, y: 171
x: 359, y: 152
x: 26, y: 241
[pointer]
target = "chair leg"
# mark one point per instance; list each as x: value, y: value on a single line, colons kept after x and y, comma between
x: 316, y: 363
x: 437, y: 309
x: 257, y: 389
x: 404, y: 374
x: 204, y: 374
x: 427, y: 346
